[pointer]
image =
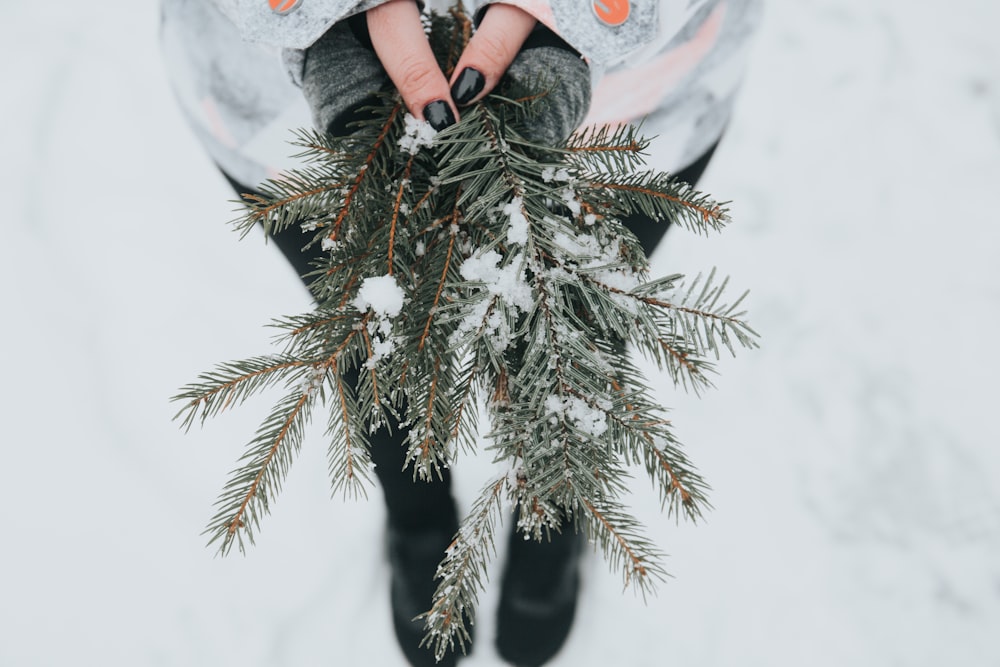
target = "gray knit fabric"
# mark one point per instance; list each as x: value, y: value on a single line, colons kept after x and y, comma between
x: 567, y: 78
x: 339, y: 73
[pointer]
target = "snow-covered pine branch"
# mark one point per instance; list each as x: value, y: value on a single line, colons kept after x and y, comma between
x: 474, y: 269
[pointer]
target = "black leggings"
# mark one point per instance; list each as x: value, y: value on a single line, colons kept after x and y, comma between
x: 414, y: 505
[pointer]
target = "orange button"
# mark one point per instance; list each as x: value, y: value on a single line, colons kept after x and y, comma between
x: 284, y: 6
x: 611, y: 12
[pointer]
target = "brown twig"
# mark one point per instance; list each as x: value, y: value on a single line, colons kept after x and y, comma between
x: 715, y: 213
x: 638, y: 565
x: 237, y: 521
x: 353, y: 190
x: 395, y: 209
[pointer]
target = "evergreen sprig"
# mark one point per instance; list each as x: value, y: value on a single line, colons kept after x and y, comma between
x: 523, y: 292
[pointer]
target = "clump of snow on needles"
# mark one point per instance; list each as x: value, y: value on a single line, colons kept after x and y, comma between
x: 517, y: 230
x: 505, y: 281
x: 550, y: 174
x: 590, y: 420
x: 416, y: 133
x: 569, y: 197
x: 382, y: 294
x: 384, y: 297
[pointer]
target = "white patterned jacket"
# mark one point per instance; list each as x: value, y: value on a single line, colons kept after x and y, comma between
x: 675, y: 65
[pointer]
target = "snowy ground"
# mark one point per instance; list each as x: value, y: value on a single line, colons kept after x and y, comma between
x: 854, y: 457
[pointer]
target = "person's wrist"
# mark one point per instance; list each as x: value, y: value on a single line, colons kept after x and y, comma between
x: 358, y: 23
x: 542, y: 35
x: 341, y: 76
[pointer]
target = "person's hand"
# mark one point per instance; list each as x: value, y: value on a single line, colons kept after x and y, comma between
x: 361, y: 55
x: 399, y: 41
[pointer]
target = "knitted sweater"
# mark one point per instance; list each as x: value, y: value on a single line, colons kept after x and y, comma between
x: 675, y: 65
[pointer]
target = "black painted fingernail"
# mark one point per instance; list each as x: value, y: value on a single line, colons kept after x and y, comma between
x: 468, y: 84
x: 439, y: 115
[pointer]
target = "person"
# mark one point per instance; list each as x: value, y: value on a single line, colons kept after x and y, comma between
x: 247, y: 71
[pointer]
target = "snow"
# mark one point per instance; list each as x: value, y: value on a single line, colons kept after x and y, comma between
x: 382, y: 294
x: 417, y: 134
x: 481, y: 267
x: 517, y: 228
x: 569, y: 198
x: 601, y: 262
x: 313, y: 381
x: 550, y: 174
x: 853, y: 459
x: 591, y: 421
x: 506, y: 281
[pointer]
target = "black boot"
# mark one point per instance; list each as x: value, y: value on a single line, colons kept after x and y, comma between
x: 422, y: 522
x: 538, y: 596
x: 414, y: 555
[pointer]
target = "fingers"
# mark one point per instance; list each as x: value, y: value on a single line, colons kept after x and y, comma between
x: 490, y: 52
x: 399, y: 41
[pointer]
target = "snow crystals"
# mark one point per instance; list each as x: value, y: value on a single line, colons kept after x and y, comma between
x: 505, y: 281
x: 384, y: 297
x: 314, y: 380
x: 600, y: 261
x: 417, y: 133
x: 517, y: 230
x: 569, y: 198
x: 382, y: 294
x: 590, y: 420
x: 550, y: 174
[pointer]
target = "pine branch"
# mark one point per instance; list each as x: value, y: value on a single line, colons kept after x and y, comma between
x: 624, y: 546
x: 462, y: 573
x: 663, y: 198
x: 249, y: 491
x: 681, y: 491
x: 473, y: 270
x: 613, y: 149
x: 396, y: 211
x: 349, y: 458
x: 701, y: 318
x: 424, y: 436
x: 363, y: 171
x: 231, y: 384
x: 442, y: 281
x: 463, y: 422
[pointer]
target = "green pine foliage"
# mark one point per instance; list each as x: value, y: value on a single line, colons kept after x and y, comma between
x: 483, y: 271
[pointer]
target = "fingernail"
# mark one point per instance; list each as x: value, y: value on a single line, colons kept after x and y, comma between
x: 468, y: 84
x: 439, y: 115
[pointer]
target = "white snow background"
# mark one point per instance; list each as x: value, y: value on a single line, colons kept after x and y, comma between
x: 854, y: 457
